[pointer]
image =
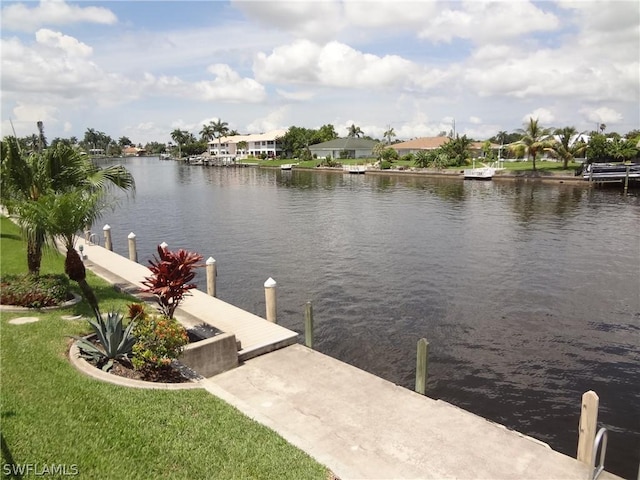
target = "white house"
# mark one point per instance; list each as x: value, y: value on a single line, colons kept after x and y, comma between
x: 256, y: 145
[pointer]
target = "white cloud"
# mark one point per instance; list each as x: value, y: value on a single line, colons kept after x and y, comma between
x: 320, y: 20
x: 482, y: 21
x: 297, y: 95
x: 69, y: 45
x: 601, y: 115
x: 274, y: 120
x: 229, y: 86
x: 19, y: 17
x: 333, y: 64
x: 543, y: 115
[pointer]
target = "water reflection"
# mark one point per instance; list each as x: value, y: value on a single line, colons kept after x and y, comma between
x: 527, y: 292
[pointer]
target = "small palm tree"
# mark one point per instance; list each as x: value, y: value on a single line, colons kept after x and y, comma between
x: 535, y: 139
x: 180, y: 137
x: 354, y: 131
x: 567, y: 146
x: 389, y: 134
x: 207, y: 133
x: 220, y: 129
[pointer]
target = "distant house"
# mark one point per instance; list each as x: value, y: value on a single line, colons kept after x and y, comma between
x: 349, y: 147
x: 132, y: 151
x: 432, y: 143
x: 257, y: 145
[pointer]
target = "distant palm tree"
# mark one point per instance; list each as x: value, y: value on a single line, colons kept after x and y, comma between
x: 207, y: 133
x: 534, y: 139
x: 220, y: 130
x: 179, y: 136
x: 354, y: 131
x: 567, y: 146
x: 389, y: 134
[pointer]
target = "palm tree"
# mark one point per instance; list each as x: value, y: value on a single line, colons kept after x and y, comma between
x: 458, y: 150
x: 534, y: 139
x: 242, y: 146
x: 354, y: 131
x: 69, y: 212
x: 207, y: 132
x: 567, y: 146
x: 220, y: 129
x: 27, y: 183
x: 179, y: 136
x: 389, y: 134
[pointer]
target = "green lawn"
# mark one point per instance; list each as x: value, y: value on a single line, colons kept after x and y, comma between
x: 519, y: 166
x: 52, y: 414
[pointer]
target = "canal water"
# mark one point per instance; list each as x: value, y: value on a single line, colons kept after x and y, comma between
x: 528, y: 293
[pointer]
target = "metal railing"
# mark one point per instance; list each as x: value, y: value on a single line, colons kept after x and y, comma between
x: 601, y: 436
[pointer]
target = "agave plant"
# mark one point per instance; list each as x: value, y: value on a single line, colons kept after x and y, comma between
x: 115, y: 341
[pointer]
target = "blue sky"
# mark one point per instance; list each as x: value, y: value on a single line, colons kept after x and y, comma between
x: 142, y: 69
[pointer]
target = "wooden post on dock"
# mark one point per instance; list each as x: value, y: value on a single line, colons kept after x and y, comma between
x: 270, y: 299
x: 133, y: 251
x: 211, y: 276
x: 107, y: 237
x: 308, y: 325
x: 422, y: 366
x: 588, y: 427
x: 626, y: 180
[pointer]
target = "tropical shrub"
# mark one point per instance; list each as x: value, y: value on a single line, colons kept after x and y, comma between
x: 385, y: 165
x: 390, y: 155
x: 171, y: 274
x: 35, y: 291
x: 114, y: 342
x: 159, y: 339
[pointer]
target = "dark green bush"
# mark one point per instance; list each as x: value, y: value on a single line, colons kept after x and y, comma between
x: 35, y: 292
x: 385, y: 165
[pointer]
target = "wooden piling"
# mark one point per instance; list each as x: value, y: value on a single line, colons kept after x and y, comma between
x: 422, y: 366
x: 107, y: 237
x: 588, y: 427
x: 308, y: 325
x: 626, y: 180
x: 211, y: 276
x: 133, y: 251
x: 270, y: 299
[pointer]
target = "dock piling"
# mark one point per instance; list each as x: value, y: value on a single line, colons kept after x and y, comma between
x: 133, y: 251
x: 308, y: 325
x: 270, y: 299
x: 588, y: 426
x: 107, y: 237
x: 422, y: 366
x: 211, y: 276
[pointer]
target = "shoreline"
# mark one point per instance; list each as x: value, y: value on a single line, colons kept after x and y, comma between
x: 457, y: 175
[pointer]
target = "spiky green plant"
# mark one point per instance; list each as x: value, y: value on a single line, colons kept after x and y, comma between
x: 114, y: 341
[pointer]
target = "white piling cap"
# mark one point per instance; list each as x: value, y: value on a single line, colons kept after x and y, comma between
x: 131, y: 236
x: 210, y: 261
x: 270, y: 283
x: 106, y: 227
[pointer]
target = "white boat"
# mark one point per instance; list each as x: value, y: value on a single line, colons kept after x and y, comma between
x: 482, y: 173
x: 355, y: 168
x: 286, y: 166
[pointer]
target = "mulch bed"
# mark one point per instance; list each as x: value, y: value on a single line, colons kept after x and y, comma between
x: 173, y: 373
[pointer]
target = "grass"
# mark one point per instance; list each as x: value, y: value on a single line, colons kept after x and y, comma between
x: 52, y: 414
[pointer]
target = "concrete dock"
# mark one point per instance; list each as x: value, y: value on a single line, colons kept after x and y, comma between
x: 358, y: 425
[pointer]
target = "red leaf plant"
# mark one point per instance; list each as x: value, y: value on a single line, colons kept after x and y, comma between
x: 172, y: 272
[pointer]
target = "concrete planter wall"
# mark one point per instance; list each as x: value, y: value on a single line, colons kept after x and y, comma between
x: 211, y: 356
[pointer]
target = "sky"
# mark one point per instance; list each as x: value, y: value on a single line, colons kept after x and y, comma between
x: 143, y: 69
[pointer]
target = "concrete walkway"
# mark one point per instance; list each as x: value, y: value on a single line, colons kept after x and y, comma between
x: 358, y: 425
